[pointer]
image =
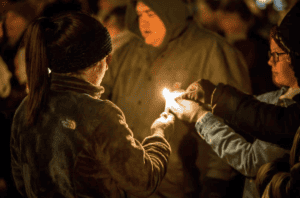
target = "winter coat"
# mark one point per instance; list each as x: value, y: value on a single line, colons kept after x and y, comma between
x: 81, y: 146
x: 244, y: 156
x: 139, y: 72
x: 268, y: 122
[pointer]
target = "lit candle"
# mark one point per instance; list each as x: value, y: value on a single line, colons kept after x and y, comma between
x: 170, y: 98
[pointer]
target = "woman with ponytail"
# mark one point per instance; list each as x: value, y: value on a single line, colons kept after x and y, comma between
x: 37, y: 69
x: 281, y: 179
x: 66, y: 141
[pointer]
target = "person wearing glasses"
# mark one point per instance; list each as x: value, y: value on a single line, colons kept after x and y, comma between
x: 272, y: 123
x: 272, y: 118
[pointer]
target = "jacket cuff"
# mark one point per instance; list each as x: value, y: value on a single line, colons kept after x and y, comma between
x: 204, y: 124
x: 225, y: 102
x: 208, y: 88
x: 217, y: 93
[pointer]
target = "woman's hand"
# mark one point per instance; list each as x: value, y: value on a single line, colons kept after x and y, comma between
x: 200, y: 91
x: 164, y: 125
x: 189, y: 110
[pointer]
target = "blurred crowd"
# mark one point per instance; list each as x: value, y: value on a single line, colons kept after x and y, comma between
x: 241, y: 22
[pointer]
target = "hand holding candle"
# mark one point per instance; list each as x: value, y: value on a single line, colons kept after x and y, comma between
x: 200, y: 91
x: 164, y: 126
x: 186, y: 110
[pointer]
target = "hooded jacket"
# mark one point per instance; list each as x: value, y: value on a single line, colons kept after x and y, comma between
x: 139, y: 72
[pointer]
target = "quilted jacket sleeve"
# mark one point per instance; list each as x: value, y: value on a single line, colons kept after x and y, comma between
x: 137, y: 168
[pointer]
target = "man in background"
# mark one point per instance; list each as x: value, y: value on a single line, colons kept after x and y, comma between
x: 169, y: 50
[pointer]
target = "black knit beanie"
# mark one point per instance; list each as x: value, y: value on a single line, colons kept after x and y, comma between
x: 85, y: 50
x: 289, y: 31
x: 288, y: 36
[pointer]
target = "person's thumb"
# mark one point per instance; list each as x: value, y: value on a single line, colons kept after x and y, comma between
x: 171, y: 117
x: 191, y: 95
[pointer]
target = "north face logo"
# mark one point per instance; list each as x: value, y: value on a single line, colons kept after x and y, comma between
x: 71, y: 124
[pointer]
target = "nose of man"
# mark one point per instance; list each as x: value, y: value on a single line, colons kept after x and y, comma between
x: 271, y: 61
x: 144, y: 24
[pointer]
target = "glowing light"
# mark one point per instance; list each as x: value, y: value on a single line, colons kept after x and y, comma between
x: 279, y: 5
x: 264, y: 1
x: 166, y: 93
x: 170, y: 98
x: 262, y: 4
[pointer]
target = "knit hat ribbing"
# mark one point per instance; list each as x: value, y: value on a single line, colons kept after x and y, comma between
x: 89, y: 47
x: 95, y: 50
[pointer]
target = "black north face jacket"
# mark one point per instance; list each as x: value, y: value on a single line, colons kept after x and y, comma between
x: 81, y: 146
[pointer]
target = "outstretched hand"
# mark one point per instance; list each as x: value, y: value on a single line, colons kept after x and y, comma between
x: 199, y: 91
x: 164, y: 125
x: 189, y: 110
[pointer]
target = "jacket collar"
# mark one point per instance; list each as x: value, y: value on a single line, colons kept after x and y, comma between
x: 61, y: 82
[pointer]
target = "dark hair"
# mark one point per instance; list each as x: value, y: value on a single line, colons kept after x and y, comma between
x: 214, y: 4
x: 59, y: 7
x: 273, y: 35
x: 240, y: 7
x: 295, y: 58
x: 93, y: 6
x: 64, y: 43
x: 283, y: 176
x: 267, y: 171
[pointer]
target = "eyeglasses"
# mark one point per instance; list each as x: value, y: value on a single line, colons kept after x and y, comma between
x: 275, y: 55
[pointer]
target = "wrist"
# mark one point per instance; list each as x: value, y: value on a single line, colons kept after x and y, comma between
x: 201, y: 116
x: 159, y: 131
x: 216, y: 94
x: 208, y: 88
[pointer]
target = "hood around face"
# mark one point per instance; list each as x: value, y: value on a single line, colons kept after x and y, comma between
x: 173, y: 13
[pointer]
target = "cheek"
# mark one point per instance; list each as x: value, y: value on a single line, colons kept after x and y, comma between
x: 286, y: 70
x: 289, y: 73
x: 158, y: 27
x: 285, y: 73
x: 143, y: 25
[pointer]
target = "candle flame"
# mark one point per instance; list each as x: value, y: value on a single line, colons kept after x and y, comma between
x: 170, y: 98
x: 166, y: 93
